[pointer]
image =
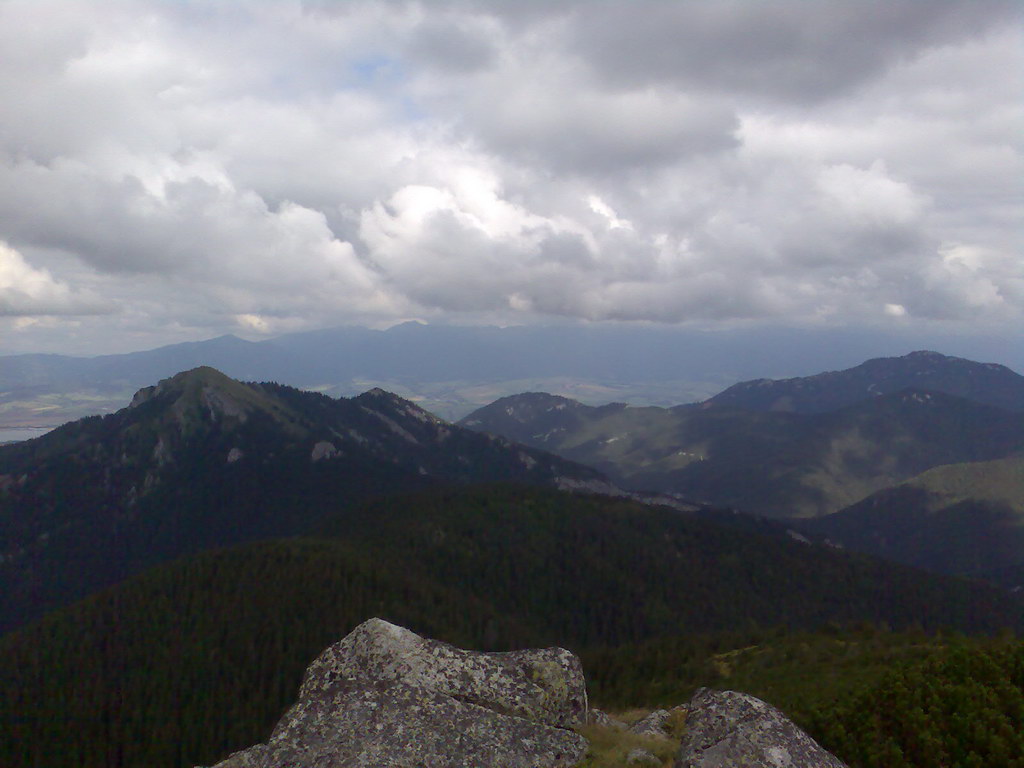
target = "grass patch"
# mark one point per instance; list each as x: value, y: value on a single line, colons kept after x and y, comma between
x: 609, y: 747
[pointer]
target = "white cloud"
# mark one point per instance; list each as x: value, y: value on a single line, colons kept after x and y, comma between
x: 209, y: 167
x: 26, y: 291
x: 597, y: 205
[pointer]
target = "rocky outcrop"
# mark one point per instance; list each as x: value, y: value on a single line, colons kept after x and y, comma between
x: 653, y: 725
x: 727, y: 729
x: 323, y: 450
x: 643, y: 757
x: 384, y: 696
x: 604, y: 720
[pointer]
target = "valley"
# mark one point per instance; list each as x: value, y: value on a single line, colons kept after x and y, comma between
x: 651, y: 599
x: 220, y: 533
x: 922, y: 475
x: 781, y: 464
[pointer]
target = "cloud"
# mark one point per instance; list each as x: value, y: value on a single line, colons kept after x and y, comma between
x: 540, y: 106
x: 27, y: 292
x: 211, y: 167
x: 787, y: 50
x: 453, y: 43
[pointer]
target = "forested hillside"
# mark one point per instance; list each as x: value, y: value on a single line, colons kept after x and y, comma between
x: 202, y: 461
x: 959, y: 518
x: 185, y: 663
x: 772, y: 463
x: 876, y: 698
x: 988, y: 383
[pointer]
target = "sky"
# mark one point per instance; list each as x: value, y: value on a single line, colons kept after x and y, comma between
x: 174, y: 171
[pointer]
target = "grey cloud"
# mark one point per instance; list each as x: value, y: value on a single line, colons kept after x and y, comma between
x: 317, y: 164
x: 26, y: 291
x: 606, y: 133
x: 446, y: 44
x: 785, y: 49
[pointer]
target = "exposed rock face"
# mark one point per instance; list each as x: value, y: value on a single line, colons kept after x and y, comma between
x: 727, y: 729
x: 323, y: 450
x: 383, y: 696
x: 604, y: 720
x: 642, y: 757
x: 652, y: 725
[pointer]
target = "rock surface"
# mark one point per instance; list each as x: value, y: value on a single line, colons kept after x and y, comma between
x: 652, y: 725
x: 727, y: 729
x: 604, y: 720
x: 642, y: 757
x: 384, y: 696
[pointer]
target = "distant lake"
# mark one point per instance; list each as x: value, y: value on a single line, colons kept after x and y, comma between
x: 11, y: 434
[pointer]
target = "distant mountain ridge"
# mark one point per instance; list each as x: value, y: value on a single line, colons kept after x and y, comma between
x: 452, y: 369
x: 201, y: 460
x: 780, y: 464
x: 987, y: 383
x: 958, y: 518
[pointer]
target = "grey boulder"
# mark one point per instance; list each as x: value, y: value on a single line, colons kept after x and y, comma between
x: 604, y: 720
x: 726, y: 729
x: 384, y: 696
x: 652, y: 725
x: 642, y: 757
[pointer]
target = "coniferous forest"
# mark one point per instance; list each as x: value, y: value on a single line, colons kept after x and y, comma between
x: 199, y: 657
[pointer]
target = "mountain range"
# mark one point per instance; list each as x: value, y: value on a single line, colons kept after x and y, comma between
x: 957, y: 518
x: 987, y: 383
x: 452, y: 370
x: 201, y: 460
x: 799, y: 463
x: 170, y: 568
x: 930, y: 477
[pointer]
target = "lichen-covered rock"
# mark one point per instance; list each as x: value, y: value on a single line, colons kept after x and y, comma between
x: 652, y: 724
x: 323, y: 450
x: 544, y: 685
x: 726, y: 729
x: 604, y: 720
x: 383, y: 696
x: 642, y: 757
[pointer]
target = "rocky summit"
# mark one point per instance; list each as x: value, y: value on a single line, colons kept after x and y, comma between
x: 384, y: 696
x: 725, y: 729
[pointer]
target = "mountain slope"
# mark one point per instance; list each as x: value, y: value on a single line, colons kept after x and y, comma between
x: 455, y: 369
x: 772, y: 463
x: 202, y: 460
x: 185, y: 663
x: 960, y: 518
x: 986, y: 383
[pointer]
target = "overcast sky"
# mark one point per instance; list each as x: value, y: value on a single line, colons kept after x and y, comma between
x: 178, y: 170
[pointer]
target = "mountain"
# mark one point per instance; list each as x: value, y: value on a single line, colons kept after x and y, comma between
x: 186, y: 662
x: 987, y: 383
x: 959, y: 518
x: 767, y: 462
x: 451, y: 370
x: 201, y: 460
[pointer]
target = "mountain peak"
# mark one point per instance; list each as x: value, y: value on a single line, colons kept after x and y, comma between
x: 986, y: 383
x: 204, y: 374
x: 187, y: 382
x: 380, y: 399
x: 205, y: 395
